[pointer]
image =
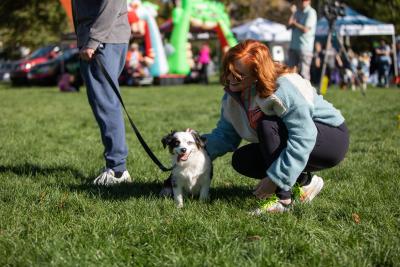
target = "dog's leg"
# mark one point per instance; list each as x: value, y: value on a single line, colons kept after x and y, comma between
x: 178, y: 196
x: 205, y: 188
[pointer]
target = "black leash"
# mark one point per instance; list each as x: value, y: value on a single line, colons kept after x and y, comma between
x: 139, y: 136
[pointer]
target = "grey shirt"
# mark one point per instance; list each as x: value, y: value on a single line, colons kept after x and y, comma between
x: 100, y: 21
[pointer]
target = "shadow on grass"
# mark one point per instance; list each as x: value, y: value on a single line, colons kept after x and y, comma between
x: 137, y: 189
x: 231, y: 192
x: 29, y: 169
x: 150, y: 189
x: 118, y: 192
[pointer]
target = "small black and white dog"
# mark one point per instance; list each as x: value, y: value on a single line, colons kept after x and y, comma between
x: 192, y: 167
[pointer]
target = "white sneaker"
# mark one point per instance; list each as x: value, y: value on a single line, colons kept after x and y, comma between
x: 107, y: 178
x: 308, y: 192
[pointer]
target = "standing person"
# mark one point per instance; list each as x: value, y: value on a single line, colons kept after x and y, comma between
x: 363, y: 70
x: 292, y: 131
x: 397, y: 79
x: 303, y: 23
x: 103, y: 32
x: 204, y: 59
x: 384, y: 62
x: 316, y: 64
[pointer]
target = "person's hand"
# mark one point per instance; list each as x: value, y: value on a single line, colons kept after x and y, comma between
x: 86, y: 53
x: 265, y: 188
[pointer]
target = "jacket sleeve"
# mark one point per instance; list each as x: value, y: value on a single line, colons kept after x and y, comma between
x: 222, y: 139
x: 302, y: 134
x: 102, y: 26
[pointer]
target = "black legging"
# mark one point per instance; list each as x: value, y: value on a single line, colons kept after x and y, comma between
x: 253, y: 160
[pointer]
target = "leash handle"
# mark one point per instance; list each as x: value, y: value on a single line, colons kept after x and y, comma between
x: 135, y: 129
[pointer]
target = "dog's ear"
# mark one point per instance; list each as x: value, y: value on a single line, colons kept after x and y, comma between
x: 200, y: 141
x: 166, y: 140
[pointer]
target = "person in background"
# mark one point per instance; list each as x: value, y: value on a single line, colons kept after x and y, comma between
x: 384, y: 62
x: 354, y: 78
x: 397, y: 79
x: 103, y: 32
x: 316, y: 64
x: 67, y: 82
x: 203, y: 60
x: 363, y: 70
x: 303, y: 23
x: 136, y: 67
x: 291, y: 130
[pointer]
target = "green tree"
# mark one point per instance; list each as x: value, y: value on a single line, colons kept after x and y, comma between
x: 244, y: 10
x: 31, y: 23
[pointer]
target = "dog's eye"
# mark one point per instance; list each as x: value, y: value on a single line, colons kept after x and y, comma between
x: 177, y: 143
x: 190, y: 143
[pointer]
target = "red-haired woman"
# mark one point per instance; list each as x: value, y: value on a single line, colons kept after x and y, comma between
x: 292, y: 130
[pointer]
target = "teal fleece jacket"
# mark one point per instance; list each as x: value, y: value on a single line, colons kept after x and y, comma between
x: 296, y: 102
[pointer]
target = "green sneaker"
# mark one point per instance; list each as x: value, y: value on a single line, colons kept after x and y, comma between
x: 270, y: 205
x: 308, y: 192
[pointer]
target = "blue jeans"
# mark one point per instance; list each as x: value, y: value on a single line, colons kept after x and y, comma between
x: 383, y: 73
x: 105, y: 104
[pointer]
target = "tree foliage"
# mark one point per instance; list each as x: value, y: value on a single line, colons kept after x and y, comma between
x: 31, y: 23
x: 244, y: 10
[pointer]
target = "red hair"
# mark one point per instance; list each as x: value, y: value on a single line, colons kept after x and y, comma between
x: 258, y: 59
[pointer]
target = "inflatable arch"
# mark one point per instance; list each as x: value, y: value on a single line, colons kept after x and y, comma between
x: 208, y: 15
x: 141, y: 16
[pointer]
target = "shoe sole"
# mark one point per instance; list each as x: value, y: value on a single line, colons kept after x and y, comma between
x: 308, y: 196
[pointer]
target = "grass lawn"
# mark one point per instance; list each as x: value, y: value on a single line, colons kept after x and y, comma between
x: 50, y: 214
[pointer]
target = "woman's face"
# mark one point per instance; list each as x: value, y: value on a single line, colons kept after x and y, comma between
x: 244, y: 79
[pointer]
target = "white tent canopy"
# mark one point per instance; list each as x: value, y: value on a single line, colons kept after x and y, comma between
x: 263, y: 30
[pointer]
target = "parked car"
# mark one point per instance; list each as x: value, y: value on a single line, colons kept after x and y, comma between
x: 21, y: 68
x: 48, y: 73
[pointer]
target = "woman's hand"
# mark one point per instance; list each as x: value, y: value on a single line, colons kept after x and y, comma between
x: 265, y: 188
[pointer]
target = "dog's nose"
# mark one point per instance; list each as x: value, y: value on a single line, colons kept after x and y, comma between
x: 183, y: 150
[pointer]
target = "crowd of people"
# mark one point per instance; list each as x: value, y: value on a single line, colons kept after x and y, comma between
x: 344, y: 66
x: 352, y: 70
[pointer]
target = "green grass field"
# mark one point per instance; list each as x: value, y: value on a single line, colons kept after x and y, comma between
x: 50, y: 214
